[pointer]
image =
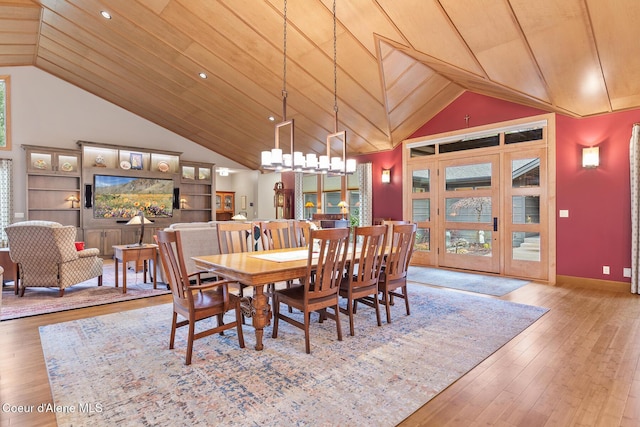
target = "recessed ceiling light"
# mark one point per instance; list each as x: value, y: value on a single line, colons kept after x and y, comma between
x: 105, y: 14
x: 202, y: 75
x: 272, y: 119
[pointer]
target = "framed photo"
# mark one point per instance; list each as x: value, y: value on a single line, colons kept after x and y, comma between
x: 136, y: 161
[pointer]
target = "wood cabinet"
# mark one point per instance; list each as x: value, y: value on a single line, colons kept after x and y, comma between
x: 225, y: 205
x: 196, y: 196
x: 53, y: 185
x: 103, y: 239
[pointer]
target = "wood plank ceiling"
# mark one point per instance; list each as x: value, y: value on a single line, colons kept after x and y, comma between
x: 399, y: 62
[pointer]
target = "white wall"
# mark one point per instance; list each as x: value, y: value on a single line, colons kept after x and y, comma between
x: 48, y: 111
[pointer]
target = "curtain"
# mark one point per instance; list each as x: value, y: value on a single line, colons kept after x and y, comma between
x: 365, y: 186
x: 298, y: 197
x: 634, y: 163
x: 6, y: 199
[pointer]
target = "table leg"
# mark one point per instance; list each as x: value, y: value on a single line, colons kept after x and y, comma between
x: 155, y: 268
x: 262, y: 316
x: 116, y: 267
x: 124, y: 276
x: 144, y: 271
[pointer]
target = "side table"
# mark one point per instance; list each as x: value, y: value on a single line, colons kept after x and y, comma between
x: 11, y: 269
x: 126, y: 253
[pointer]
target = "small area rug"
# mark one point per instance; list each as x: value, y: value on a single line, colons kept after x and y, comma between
x: 471, y: 282
x: 86, y: 294
x: 117, y: 369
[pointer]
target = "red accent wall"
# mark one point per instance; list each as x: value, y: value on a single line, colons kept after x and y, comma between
x: 598, y: 229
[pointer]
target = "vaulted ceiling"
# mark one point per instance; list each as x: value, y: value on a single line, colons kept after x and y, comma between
x: 400, y: 62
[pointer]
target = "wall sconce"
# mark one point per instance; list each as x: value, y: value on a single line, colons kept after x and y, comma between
x: 73, y: 199
x: 590, y: 157
x: 386, y: 176
x: 183, y: 202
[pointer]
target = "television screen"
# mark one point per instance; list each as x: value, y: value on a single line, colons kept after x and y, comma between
x: 124, y: 197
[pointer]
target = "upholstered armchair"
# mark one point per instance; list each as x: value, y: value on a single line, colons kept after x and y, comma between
x: 47, y: 256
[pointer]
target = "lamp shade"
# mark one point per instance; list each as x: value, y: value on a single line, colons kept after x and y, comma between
x: 590, y: 157
x: 141, y: 221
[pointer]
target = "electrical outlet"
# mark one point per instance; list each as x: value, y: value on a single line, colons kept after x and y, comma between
x: 19, y: 215
x: 626, y: 272
x: 605, y: 269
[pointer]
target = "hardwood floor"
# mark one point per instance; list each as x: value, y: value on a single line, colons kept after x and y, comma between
x: 578, y: 365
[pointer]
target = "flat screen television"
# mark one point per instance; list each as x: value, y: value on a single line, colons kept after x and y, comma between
x: 124, y: 197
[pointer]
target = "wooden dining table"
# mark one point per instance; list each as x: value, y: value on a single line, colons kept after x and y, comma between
x: 257, y: 269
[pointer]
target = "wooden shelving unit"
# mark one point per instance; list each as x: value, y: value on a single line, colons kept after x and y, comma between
x: 53, y: 175
x: 196, y: 191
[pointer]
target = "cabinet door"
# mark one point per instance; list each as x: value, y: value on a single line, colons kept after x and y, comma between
x: 111, y: 237
x: 228, y: 203
x: 93, y: 239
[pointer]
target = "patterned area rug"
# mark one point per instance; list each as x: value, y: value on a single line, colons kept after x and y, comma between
x: 86, y: 294
x: 472, y: 282
x: 117, y: 369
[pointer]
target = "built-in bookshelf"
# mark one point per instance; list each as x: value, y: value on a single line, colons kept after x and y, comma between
x: 196, y: 191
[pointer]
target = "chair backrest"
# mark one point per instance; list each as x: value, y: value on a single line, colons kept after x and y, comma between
x: 366, y: 264
x: 170, y: 247
x: 235, y: 237
x: 324, y: 279
x: 390, y: 223
x: 41, y: 242
x: 276, y: 235
x: 302, y: 233
x: 400, y: 251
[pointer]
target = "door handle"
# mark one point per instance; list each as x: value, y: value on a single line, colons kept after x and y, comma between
x: 495, y: 223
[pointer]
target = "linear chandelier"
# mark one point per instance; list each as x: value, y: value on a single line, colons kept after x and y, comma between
x: 296, y: 161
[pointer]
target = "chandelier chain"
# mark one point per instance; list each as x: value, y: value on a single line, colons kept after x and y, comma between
x: 335, y: 60
x: 284, y: 65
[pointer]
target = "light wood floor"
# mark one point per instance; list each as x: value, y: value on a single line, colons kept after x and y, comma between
x: 578, y: 365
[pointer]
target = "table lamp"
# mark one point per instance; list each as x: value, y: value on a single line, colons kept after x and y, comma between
x: 309, y: 205
x: 343, y: 208
x: 139, y: 220
x: 73, y: 199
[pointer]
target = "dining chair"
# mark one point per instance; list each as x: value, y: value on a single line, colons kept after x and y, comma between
x: 301, y: 232
x: 235, y: 237
x: 364, y: 269
x: 393, y: 278
x: 198, y: 301
x: 317, y: 291
x: 276, y: 235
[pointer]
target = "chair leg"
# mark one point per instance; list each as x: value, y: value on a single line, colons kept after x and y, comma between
x: 406, y: 299
x: 220, y: 322
x: 385, y: 299
x: 61, y: 292
x: 307, y: 341
x: 376, y: 304
x: 338, y: 326
x: 192, y: 328
x: 173, y: 330
x: 239, y: 324
x: 351, y: 311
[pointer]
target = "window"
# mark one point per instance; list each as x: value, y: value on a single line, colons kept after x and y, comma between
x: 5, y: 135
x: 6, y: 202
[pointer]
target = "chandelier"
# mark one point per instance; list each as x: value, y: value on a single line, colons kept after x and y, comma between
x: 296, y: 161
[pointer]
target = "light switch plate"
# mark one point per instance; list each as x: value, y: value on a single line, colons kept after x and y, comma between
x: 564, y: 213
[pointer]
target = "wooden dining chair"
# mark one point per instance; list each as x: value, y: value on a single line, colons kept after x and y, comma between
x: 195, y: 301
x: 393, y: 279
x: 317, y: 291
x: 235, y: 237
x: 276, y: 235
x: 301, y: 232
x: 362, y: 276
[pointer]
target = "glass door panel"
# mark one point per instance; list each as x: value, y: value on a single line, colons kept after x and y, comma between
x: 470, y: 219
x: 527, y: 224
x: 421, y: 204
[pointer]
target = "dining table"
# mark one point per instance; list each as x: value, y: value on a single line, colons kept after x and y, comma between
x: 256, y: 270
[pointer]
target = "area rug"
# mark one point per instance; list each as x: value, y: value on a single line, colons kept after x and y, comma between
x: 471, y: 282
x: 117, y: 369
x: 86, y: 294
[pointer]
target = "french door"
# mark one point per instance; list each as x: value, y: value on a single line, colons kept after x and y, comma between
x: 486, y: 210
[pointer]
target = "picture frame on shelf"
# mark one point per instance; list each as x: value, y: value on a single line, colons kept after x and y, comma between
x: 136, y: 161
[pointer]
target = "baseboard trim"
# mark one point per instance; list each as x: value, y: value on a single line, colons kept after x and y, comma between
x: 583, y: 282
